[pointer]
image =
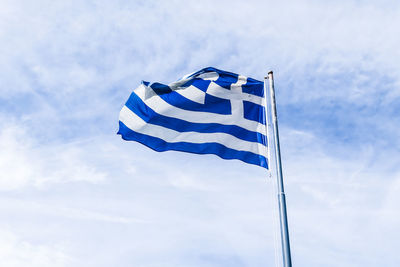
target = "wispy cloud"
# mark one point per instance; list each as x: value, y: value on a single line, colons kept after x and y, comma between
x: 25, y: 162
x: 16, y: 251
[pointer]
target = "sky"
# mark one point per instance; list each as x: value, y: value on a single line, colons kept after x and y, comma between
x: 72, y: 193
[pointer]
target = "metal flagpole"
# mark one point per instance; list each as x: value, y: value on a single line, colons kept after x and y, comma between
x: 287, y: 261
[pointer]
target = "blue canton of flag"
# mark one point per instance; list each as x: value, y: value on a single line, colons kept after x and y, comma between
x: 207, y: 112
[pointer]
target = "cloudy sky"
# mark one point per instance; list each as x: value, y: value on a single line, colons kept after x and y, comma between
x: 72, y: 193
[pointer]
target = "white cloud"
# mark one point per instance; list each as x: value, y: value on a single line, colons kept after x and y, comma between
x: 17, y: 252
x: 25, y: 162
x: 339, y: 197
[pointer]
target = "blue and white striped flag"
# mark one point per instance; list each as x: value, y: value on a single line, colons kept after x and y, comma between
x: 207, y: 112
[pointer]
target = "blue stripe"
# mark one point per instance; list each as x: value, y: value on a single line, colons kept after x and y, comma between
x: 198, y: 83
x: 253, y: 112
x: 211, y: 104
x: 136, y: 105
x: 226, y: 78
x: 160, y: 145
x: 253, y: 87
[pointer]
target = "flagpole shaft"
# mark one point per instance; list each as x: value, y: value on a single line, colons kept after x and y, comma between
x: 287, y: 261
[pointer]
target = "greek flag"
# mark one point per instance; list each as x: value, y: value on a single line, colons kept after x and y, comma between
x: 207, y: 112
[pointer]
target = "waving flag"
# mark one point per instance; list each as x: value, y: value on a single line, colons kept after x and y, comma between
x: 207, y: 112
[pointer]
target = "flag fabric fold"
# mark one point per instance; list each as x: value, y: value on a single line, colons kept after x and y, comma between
x: 206, y: 112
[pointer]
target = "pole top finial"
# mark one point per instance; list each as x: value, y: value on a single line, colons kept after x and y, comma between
x: 270, y: 72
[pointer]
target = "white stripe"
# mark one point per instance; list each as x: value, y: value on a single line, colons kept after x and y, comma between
x: 137, y: 124
x: 151, y: 99
x: 235, y: 93
x: 211, y: 76
x: 193, y: 93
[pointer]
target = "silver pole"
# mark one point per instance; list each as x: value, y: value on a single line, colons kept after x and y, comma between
x: 287, y: 261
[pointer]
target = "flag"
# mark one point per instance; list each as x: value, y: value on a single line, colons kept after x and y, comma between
x: 206, y: 112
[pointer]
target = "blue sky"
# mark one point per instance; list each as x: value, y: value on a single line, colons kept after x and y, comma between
x: 72, y: 193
